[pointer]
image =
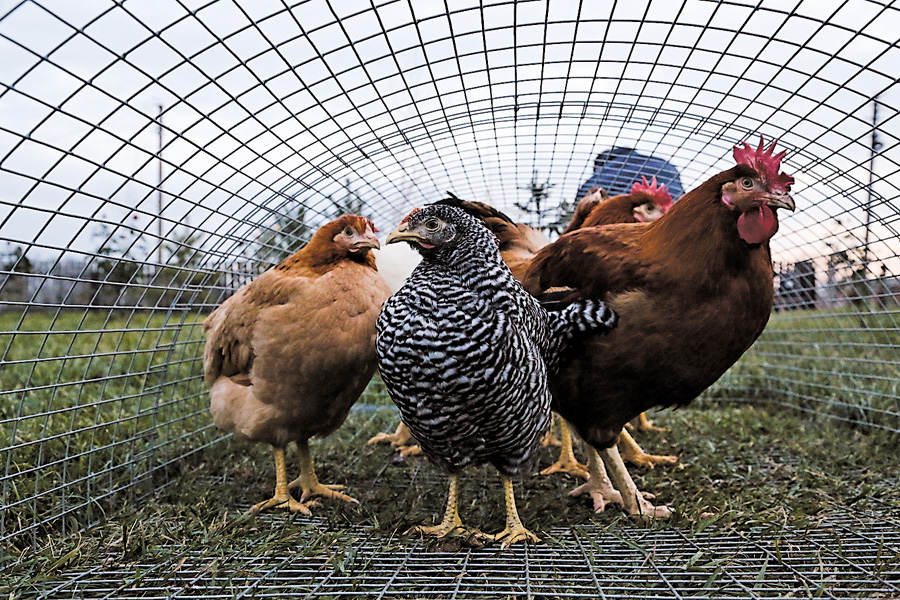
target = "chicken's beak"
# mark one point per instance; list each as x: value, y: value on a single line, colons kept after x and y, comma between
x: 365, y: 241
x: 783, y: 201
x: 403, y: 234
x: 648, y: 214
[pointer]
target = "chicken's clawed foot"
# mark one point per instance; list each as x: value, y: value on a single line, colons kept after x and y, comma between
x: 398, y: 438
x: 514, y: 533
x: 404, y: 452
x: 284, y: 502
x: 451, y: 524
x: 324, y: 490
x: 642, y: 459
x: 382, y: 438
x: 309, y: 482
x: 282, y: 498
x: 569, y: 465
x: 566, y: 462
x: 453, y: 529
x: 642, y: 507
x: 636, y: 503
x: 633, y: 453
x: 645, y: 424
x: 601, y: 492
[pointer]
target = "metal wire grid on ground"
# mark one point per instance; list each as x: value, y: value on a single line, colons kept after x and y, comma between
x: 844, y: 557
x: 852, y: 553
x: 156, y: 155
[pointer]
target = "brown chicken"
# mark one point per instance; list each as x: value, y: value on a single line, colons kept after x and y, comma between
x: 693, y: 291
x: 646, y: 202
x: 289, y: 353
x: 586, y: 206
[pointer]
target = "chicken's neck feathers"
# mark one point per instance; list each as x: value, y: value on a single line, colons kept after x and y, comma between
x: 484, y: 274
x: 697, y: 239
x: 619, y: 209
x: 321, y: 255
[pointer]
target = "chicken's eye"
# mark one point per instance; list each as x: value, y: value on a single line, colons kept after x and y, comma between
x: 432, y: 225
x: 746, y: 183
x: 348, y: 231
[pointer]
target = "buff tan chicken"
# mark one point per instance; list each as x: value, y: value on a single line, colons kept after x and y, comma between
x: 289, y: 353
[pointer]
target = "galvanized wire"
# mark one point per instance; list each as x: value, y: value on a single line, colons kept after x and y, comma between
x: 839, y: 558
x: 156, y: 156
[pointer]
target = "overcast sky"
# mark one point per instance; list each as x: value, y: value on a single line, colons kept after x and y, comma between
x: 268, y: 103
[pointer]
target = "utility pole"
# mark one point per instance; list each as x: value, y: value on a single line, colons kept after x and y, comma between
x: 159, y: 188
x: 876, y: 146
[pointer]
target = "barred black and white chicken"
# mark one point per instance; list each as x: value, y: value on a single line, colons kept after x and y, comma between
x: 465, y: 353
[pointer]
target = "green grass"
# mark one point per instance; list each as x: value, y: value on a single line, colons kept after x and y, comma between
x: 92, y: 401
x: 741, y: 467
x: 123, y: 411
x: 841, y: 363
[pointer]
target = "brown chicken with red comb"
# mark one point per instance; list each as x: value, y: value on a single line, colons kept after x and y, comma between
x: 693, y: 291
x: 646, y: 202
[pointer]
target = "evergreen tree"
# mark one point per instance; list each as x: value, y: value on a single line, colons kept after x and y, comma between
x: 348, y: 204
x: 14, y: 267
x: 286, y: 235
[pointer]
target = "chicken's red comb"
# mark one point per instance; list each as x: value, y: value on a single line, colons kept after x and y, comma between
x: 765, y: 163
x: 411, y: 213
x: 659, y: 193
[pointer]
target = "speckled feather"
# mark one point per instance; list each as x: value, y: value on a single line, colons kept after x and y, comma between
x: 465, y: 351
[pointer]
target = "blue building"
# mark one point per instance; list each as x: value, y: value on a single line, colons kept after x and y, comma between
x: 617, y: 169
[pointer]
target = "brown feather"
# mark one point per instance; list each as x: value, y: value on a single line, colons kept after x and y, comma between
x: 691, y: 298
x: 618, y: 209
x: 585, y: 207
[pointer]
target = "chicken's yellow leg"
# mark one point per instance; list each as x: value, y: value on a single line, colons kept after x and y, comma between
x: 451, y: 523
x: 309, y: 483
x: 282, y: 497
x: 398, y: 438
x: 634, y: 454
x: 566, y: 462
x: 645, y: 424
x: 514, y: 531
x: 550, y: 438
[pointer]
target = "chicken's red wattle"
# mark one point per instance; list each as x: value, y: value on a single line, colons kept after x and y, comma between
x: 757, y: 226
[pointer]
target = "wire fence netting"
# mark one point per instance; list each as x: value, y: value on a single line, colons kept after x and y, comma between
x: 157, y: 155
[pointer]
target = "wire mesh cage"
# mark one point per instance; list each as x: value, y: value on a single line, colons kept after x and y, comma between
x: 155, y: 156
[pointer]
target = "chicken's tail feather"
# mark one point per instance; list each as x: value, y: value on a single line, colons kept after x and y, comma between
x: 589, y: 315
x: 557, y: 298
x: 577, y: 318
x: 479, y: 210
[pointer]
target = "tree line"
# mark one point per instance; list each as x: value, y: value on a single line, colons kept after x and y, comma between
x: 124, y: 272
